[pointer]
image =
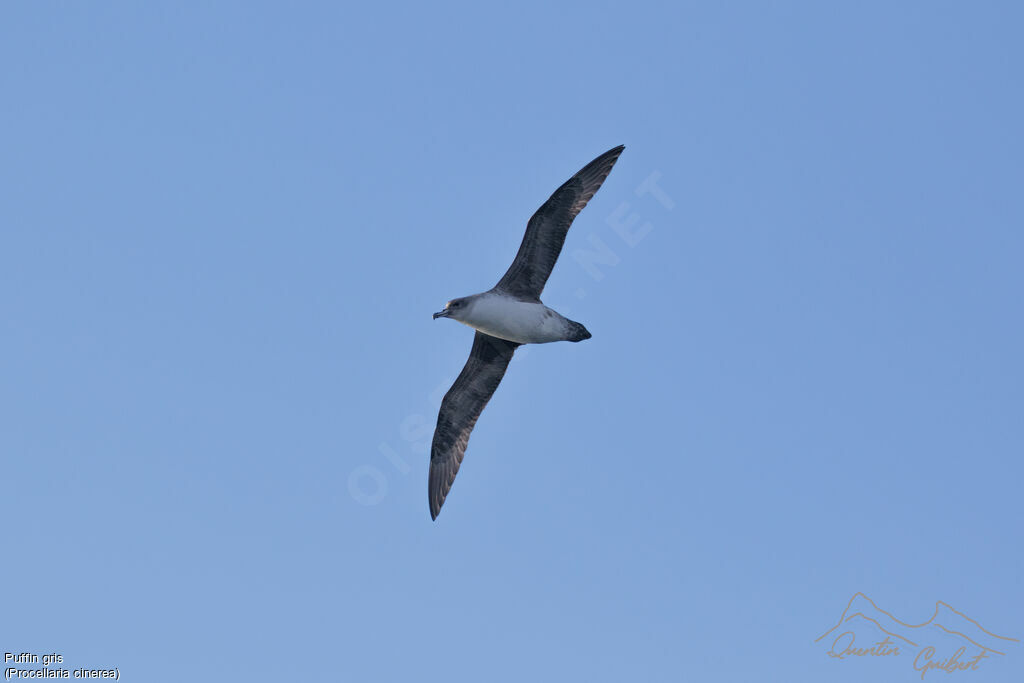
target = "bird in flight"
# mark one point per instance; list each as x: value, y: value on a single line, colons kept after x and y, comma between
x: 505, y: 317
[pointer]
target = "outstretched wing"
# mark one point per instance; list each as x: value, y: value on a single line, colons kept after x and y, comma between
x: 545, y: 233
x: 460, y: 409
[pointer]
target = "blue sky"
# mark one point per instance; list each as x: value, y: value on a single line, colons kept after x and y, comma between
x: 225, y: 227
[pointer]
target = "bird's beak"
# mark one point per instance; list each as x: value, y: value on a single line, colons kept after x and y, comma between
x: 441, y: 314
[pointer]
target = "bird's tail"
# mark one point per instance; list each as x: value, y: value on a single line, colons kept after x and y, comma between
x: 577, y: 332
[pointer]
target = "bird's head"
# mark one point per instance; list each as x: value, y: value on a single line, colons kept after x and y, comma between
x: 455, y: 309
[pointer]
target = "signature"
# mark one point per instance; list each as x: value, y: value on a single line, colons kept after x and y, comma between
x: 879, y: 649
x: 899, y: 637
x: 950, y: 665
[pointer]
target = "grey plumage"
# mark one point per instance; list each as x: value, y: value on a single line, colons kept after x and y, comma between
x: 489, y: 358
x: 462, y: 405
x: 546, y: 231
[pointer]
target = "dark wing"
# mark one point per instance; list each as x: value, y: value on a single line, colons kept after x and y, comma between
x: 460, y: 409
x: 545, y: 233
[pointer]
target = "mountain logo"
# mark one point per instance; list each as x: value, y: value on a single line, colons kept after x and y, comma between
x: 950, y: 641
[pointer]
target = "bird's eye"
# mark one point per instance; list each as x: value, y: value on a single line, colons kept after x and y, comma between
x: 456, y: 304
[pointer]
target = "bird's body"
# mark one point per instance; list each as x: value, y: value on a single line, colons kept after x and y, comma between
x: 523, y: 322
x: 505, y: 317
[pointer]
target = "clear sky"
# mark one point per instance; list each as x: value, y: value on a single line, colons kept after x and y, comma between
x: 224, y: 228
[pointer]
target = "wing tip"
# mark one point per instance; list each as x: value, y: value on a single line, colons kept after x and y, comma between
x: 599, y: 169
x: 611, y: 156
x: 614, y: 151
x: 436, y: 502
x: 435, y: 495
x: 438, y: 486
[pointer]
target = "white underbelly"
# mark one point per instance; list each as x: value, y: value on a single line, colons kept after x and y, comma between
x: 517, y: 321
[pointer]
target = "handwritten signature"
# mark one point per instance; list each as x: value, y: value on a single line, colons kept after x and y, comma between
x: 843, y: 646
